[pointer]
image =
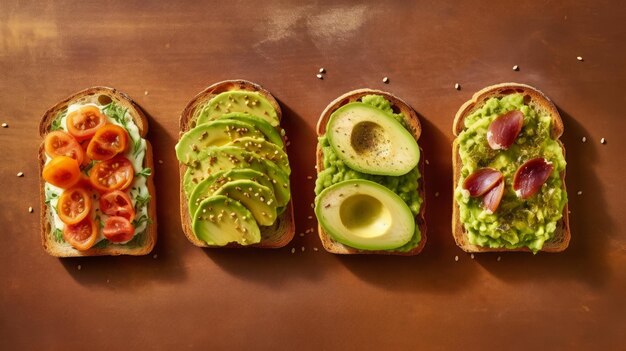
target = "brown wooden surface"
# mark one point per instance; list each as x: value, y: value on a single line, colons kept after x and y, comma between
x: 162, y: 54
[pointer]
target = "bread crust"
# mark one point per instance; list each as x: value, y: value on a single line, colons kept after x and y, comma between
x: 537, y: 99
x: 139, y: 118
x: 415, y: 128
x: 275, y: 236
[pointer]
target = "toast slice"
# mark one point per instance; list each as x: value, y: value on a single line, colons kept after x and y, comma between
x: 100, y: 96
x: 275, y: 236
x: 537, y: 100
x: 413, y: 124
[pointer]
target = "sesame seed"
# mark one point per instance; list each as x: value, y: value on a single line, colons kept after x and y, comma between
x: 472, y: 256
x: 155, y: 256
x: 4, y: 125
x: 427, y: 162
x: 602, y: 141
x: 584, y: 139
x: 145, y: 92
x: 499, y: 258
x: 288, y: 143
x: 309, y: 177
x: 456, y: 258
x: 30, y: 209
x: 20, y: 174
x: 315, y: 249
x: 580, y: 192
x: 322, y: 70
x: 579, y: 58
x: 161, y: 162
x: 310, y: 217
x: 437, y: 194
x: 293, y: 250
x: 301, y: 234
x: 79, y: 267
x: 312, y: 205
x: 319, y: 76
x: 302, y: 248
x: 386, y: 80
x: 516, y: 68
x: 457, y: 86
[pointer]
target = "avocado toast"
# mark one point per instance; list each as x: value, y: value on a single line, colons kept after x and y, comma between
x: 507, y: 136
x: 375, y: 205
x: 96, y: 211
x: 234, y: 171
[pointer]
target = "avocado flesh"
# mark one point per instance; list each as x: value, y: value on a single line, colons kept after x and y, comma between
x: 224, y: 158
x: 364, y: 215
x: 271, y: 134
x: 265, y: 150
x: 208, y: 186
x: 372, y: 141
x: 258, y: 199
x: 238, y: 101
x: 215, y: 133
x: 220, y: 220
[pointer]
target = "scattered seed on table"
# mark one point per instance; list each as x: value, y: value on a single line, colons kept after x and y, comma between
x: 4, y: 125
x: 602, y: 141
x: 160, y: 162
x: 302, y: 248
x: 427, y: 162
x: 155, y: 256
x: 457, y: 86
x: 322, y: 70
x: 472, y: 256
x: 386, y: 80
x: 309, y: 177
x: 20, y: 174
x: 319, y: 76
x: 30, y: 209
x: 293, y: 250
x: 145, y: 92
x: 315, y: 249
x: 79, y: 267
x: 437, y: 194
x: 580, y: 192
x: 310, y: 217
x: 499, y: 258
x: 456, y: 258
x: 301, y: 234
x: 584, y: 139
x: 516, y: 68
x: 579, y: 58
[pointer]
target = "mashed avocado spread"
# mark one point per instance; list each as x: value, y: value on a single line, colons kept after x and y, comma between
x: 405, y: 186
x: 516, y: 223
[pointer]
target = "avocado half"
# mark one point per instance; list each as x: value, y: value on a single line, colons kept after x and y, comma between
x: 372, y: 141
x: 364, y: 215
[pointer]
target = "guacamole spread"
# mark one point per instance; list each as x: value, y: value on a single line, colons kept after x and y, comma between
x: 516, y: 223
x: 405, y: 186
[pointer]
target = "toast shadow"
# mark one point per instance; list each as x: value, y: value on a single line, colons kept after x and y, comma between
x: 127, y: 272
x: 435, y: 268
x: 585, y: 259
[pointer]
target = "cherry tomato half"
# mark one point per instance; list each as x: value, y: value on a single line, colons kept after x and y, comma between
x: 117, y: 203
x: 82, y: 235
x: 74, y: 205
x: 108, y: 141
x: 62, y: 171
x: 59, y: 143
x: 114, y: 174
x: 84, y: 122
x: 118, y: 229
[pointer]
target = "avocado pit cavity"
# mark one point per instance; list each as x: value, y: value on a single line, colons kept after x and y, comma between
x: 365, y: 216
x: 369, y: 138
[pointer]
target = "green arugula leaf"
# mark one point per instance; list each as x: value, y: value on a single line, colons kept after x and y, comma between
x: 141, y: 201
x: 58, y: 235
x: 101, y: 244
x: 145, y: 172
x: 88, y: 167
x: 56, y: 123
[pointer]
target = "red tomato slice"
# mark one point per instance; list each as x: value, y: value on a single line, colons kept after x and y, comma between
x: 74, y: 205
x: 118, y: 229
x: 108, y: 141
x: 59, y: 143
x: 114, y: 174
x: 84, y: 122
x: 62, y: 171
x: 82, y: 235
x: 117, y: 203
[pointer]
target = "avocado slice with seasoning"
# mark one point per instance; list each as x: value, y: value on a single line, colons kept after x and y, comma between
x: 215, y: 133
x: 249, y: 102
x: 258, y: 199
x: 223, y: 158
x: 364, y: 215
x: 372, y: 141
x: 265, y: 150
x: 220, y: 220
x: 207, y: 187
x: 271, y: 134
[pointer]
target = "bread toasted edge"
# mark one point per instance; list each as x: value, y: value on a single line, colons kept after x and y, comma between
x: 282, y: 232
x: 415, y: 128
x: 139, y: 118
x: 562, y: 236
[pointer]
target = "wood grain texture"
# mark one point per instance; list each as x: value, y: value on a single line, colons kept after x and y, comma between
x: 163, y: 53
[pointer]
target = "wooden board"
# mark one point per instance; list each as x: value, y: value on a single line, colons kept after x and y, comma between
x: 183, y: 297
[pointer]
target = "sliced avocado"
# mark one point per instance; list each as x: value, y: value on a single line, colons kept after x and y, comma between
x: 265, y: 150
x: 207, y: 187
x: 215, y: 133
x: 364, y: 215
x: 271, y: 134
x: 225, y: 158
x: 249, y: 102
x: 257, y: 198
x: 372, y: 141
x: 220, y: 220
